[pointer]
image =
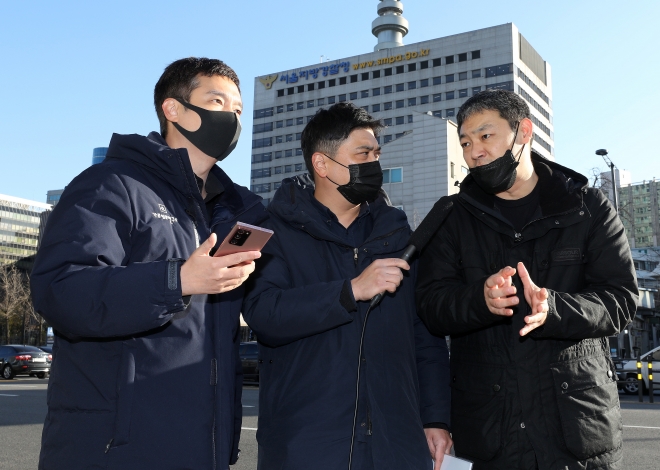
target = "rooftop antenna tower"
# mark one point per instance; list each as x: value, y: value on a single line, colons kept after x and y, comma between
x: 390, y: 27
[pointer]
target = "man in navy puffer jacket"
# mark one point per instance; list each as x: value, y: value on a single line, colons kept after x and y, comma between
x: 337, y: 244
x: 147, y: 374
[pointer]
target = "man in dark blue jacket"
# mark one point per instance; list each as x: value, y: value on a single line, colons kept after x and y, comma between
x: 336, y: 245
x: 147, y: 374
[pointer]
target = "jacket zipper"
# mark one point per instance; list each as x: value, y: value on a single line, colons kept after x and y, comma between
x: 355, y: 256
x: 194, y: 221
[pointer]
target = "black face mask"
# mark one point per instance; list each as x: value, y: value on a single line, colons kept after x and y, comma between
x: 218, y: 134
x: 365, y: 183
x: 499, y: 175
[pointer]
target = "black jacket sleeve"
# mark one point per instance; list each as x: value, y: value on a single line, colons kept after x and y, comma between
x: 608, y: 302
x: 84, y: 283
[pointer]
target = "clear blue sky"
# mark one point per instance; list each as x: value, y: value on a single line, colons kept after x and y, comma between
x: 74, y: 72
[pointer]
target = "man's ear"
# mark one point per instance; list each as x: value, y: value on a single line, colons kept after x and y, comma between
x: 525, y: 131
x: 318, y: 163
x: 171, y: 108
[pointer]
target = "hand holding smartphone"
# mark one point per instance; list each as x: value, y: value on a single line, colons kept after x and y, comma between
x: 244, y: 237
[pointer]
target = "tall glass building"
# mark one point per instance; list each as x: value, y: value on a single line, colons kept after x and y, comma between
x: 98, y: 155
x: 21, y: 225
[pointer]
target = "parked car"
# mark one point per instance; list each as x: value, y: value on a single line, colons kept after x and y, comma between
x: 627, y: 372
x: 16, y: 359
x: 47, y: 349
x: 249, y: 353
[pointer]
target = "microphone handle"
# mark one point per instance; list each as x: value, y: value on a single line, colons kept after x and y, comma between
x: 405, y: 256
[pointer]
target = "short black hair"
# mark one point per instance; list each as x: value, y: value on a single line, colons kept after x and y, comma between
x: 328, y: 128
x: 510, y: 106
x: 179, y: 79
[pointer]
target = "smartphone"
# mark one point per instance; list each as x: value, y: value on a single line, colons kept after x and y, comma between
x: 244, y: 237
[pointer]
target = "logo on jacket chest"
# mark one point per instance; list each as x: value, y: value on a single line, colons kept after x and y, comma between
x: 566, y: 254
x: 162, y: 214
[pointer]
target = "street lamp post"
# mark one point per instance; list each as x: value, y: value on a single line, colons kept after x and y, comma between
x: 603, y: 153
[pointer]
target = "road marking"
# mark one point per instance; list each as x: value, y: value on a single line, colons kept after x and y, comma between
x: 641, y: 427
x: 250, y: 429
x: 18, y: 385
x: 7, y: 395
x: 248, y: 406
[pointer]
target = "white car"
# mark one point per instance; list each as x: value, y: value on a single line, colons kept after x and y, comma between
x: 627, y: 372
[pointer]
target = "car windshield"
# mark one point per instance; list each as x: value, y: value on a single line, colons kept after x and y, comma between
x: 27, y: 349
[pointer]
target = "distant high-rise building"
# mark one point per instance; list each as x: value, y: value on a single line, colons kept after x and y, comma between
x: 401, y: 85
x: 98, y: 155
x: 21, y: 225
x: 53, y: 196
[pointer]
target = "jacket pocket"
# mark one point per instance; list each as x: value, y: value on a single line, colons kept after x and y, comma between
x: 125, y: 392
x: 477, y: 408
x: 588, y: 403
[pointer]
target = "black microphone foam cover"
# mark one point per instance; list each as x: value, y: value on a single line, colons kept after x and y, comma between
x: 431, y: 223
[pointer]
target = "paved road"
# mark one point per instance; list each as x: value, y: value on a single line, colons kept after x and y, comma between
x: 23, y: 408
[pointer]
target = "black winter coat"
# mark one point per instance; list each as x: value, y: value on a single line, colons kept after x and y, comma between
x: 309, y: 344
x: 141, y: 379
x: 551, y: 395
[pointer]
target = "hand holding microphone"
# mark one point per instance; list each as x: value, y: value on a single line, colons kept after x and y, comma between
x: 383, y: 275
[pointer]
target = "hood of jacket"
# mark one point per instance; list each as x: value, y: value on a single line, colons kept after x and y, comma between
x: 293, y: 203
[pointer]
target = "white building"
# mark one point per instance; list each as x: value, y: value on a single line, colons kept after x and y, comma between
x: 401, y: 85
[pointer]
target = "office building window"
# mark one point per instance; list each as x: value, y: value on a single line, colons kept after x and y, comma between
x: 375, y: 74
x: 310, y: 87
x: 462, y: 57
x: 321, y: 85
x: 342, y: 80
x: 289, y: 107
x: 258, y: 128
x: 462, y: 76
x: 280, y: 109
x: 424, y: 64
x: 332, y: 82
x: 278, y: 170
x: 276, y: 186
x: 260, y: 188
x: 412, y: 101
x: 498, y: 70
x: 388, y: 71
x: 279, y: 139
x: 399, y: 104
x: 410, y: 118
x: 393, y: 175
x: 412, y: 85
x: 400, y: 134
x: 399, y: 120
x: 354, y: 78
x: 424, y: 83
x: 476, y: 73
x: 365, y: 76
x: 387, y: 122
x: 449, y: 78
x: 279, y: 124
x: 310, y: 103
x: 464, y: 170
x: 301, y: 89
x: 331, y: 100
x: 320, y: 102
x: 437, y: 62
x: 462, y: 93
x: 265, y: 112
x: 437, y: 114
x: 449, y: 112
x: 290, y: 91
x: 375, y: 92
x: 298, y: 152
x: 437, y: 80
x: 387, y: 138
x: 424, y: 99
x: 449, y: 95
x: 278, y: 154
x: 451, y: 171
x: 300, y: 120
x: 288, y: 168
x: 437, y: 97
x: 280, y: 93
x: 364, y: 94
x: 476, y: 55
x: 387, y: 106
x: 342, y: 98
x: 399, y: 69
x: 300, y: 105
x: 375, y: 108
x: 265, y: 142
x: 400, y: 87
x: 475, y: 90
x: 388, y: 89
x: 366, y: 108
x: 298, y: 167
x: 449, y: 59
x: 353, y: 95
x: 298, y: 135
x: 288, y: 153
x: 261, y: 173
x: 412, y: 67
x: 288, y: 138
x: 262, y: 157
x: 289, y: 122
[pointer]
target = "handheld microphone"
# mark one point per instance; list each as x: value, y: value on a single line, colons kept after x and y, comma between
x: 420, y: 237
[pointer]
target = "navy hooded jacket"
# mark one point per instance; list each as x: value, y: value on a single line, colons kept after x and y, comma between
x: 309, y: 344
x: 142, y: 379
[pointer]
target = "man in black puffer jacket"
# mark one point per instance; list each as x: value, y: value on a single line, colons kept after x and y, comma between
x: 334, y: 248
x: 529, y: 275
